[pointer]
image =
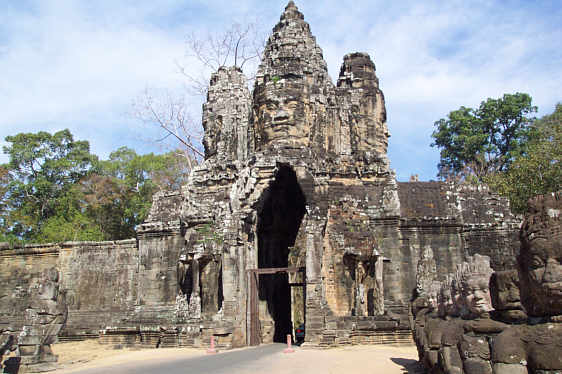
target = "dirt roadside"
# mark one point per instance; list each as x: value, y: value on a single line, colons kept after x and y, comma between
x: 385, y: 359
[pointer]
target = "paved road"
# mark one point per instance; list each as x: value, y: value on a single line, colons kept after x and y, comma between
x: 222, y: 363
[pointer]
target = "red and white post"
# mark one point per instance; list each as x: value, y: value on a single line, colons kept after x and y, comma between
x: 289, y: 349
x: 212, y: 349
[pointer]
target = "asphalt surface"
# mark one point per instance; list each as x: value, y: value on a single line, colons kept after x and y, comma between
x: 221, y: 363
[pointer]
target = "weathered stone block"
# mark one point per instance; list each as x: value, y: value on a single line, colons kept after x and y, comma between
x: 500, y: 368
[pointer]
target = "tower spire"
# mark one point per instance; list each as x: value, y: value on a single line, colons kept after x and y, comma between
x: 291, y: 12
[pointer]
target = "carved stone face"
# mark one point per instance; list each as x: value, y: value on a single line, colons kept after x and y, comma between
x: 476, y: 294
x: 540, y: 260
x: 281, y: 116
x: 504, y: 289
x: 454, y: 309
x: 544, y: 268
x: 450, y: 300
x: 445, y: 300
x: 541, y: 267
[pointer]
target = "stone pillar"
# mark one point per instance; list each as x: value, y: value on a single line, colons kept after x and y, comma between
x: 379, y: 297
x: 314, y: 318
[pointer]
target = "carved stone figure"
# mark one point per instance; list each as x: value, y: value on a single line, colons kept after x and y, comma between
x: 475, y: 286
x: 538, y: 347
x: 449, y: 297
x: 185, y: 275
x: 506, y: 300
x: 426, y: 278
x: 540, y: 260
x: 44, y: 319
x: 477, y: 344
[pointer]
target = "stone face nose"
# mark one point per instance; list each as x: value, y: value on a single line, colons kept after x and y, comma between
x: 552, y: 271
x: 479, y: 295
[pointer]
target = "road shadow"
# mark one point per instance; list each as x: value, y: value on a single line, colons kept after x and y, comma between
x: 408, y: 365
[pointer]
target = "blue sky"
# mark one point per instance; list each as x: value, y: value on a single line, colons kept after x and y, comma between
x: 80, y: 64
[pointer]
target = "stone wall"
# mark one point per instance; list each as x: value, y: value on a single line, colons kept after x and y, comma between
x: 99, y: 279
x: 19, y: 269
x: 100, y: 283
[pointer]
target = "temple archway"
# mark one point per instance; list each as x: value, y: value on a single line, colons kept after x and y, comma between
x: 279, y: 220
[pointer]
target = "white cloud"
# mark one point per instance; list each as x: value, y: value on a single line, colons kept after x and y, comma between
x: 79, y: 64
x: 433, y: 57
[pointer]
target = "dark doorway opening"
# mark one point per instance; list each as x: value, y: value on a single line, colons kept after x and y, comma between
x: 279, y: 221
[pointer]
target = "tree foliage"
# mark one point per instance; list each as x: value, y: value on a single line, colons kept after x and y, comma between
x: 536, y: 169
x: 53, y: 189
x: 479, y: 142
x: 119, y: 197
x: 40, y: 176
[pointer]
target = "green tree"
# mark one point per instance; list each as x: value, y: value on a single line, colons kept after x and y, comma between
x: 53, y: 189
x: 479, y: 142
x: 536, y: 169
x: 39, y: 179
x: 119, y: 196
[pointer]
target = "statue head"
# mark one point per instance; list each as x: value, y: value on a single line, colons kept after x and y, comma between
x: 433, y: 294
x: 292, y: 91
x: 280, y: 113
x: 450, y: 301
x: 504, y: 290
x: 447, y: 297
x: 475, y: 285
x: 540, y: 259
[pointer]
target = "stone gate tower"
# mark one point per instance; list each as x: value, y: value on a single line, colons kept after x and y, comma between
x: 293, y: 217
x: 295, y: 176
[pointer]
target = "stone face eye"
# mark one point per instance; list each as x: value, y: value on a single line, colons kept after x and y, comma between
x: 271, y: 105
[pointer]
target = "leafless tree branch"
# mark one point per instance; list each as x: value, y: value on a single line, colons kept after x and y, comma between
x: 236, y: 46
x: 240, y: 45
x: 170, y: 114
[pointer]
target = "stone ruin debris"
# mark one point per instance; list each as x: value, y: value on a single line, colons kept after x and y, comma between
x: 294, y: 217
x: 504, y: 322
